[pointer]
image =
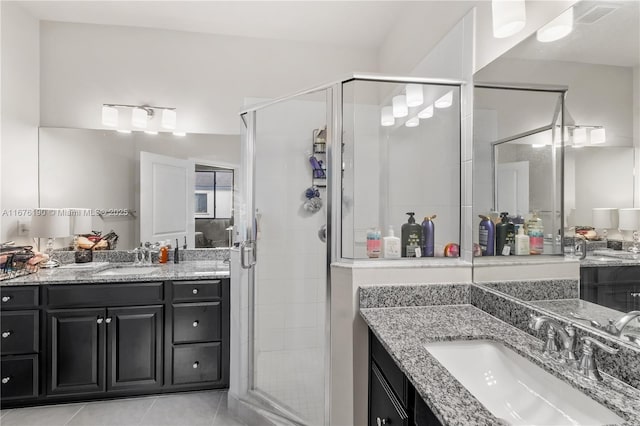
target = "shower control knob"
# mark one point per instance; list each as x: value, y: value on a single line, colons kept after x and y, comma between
x: 195, y: 291
x: 195, y: 323
x: 5, y: 380
x: 196, y: 364
x: 5, y: 299
x: 6, y: 334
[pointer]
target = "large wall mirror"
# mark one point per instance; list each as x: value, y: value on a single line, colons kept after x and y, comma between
x: 598, y: 63
x: 144, y: 187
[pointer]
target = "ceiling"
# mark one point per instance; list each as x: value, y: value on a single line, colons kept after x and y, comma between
x: 362, y: 24
x: 612, y: 40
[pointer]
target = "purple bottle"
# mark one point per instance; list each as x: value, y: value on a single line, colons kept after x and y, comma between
x: 428, y: 231
x: 487, y: 236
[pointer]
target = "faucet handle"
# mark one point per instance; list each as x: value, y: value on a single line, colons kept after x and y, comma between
x: 588, y: 341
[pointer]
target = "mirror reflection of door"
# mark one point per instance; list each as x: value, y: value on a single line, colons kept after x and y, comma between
x: 213, y: 205
x: 512, y: 187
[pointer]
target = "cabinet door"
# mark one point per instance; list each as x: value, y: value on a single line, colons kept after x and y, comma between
x: 135, y: 347
x: 384, y: 407
x: 75, y: 346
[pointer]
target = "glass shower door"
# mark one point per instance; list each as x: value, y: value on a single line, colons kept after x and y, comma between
x: 288, y: 282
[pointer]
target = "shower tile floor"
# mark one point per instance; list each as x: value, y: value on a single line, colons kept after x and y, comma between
x: 296, y: 379
x: 179, y: 409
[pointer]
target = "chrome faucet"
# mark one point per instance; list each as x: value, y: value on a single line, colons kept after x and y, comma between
x: 613, y: 327
x: 567, y: 337
x: 587, y: 365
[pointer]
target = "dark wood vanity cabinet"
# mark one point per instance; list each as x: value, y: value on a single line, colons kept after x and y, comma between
x: 119, y: 339
x: 616, y: 287
x: 392, y: 398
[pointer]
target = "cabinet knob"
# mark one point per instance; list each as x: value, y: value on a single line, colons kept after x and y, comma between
x: 6, y: 334
x: 99, y: 321
x: 5, y: 380
x: 195, y: 291
x: 196, y: 364
x: 380, y: 421
x: 108, y: 320
x: 5, y: 299
x: 195, y: 323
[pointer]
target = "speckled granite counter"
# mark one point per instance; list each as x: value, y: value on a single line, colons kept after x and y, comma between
x: 403, y: 331
x: 168, y: 271
x: 606, y: 258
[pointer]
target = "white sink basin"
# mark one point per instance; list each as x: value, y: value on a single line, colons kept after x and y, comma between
x: 129, y: 270
x: 516, y: 390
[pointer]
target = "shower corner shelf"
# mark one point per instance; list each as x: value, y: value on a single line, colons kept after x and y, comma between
x: 319, y: 149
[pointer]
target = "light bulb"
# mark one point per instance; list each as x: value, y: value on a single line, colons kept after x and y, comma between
x: 169, y: 118
x: 426, y: 113
x: 414, y: 95
x: 400, y: 108
x: 139, y: 118
x: 109, y: 116
x: 412, y: 122
x: 509, y: 17
x: 445, y: 101
x: 386, y: 116
x: 558, y: 28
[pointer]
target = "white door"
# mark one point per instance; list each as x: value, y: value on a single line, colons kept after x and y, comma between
x: 166, y: 199
x: 512, y: 187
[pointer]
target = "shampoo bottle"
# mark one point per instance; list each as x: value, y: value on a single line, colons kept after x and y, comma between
x: 391, y: 246
x: 487, y: 236
x: 373, y: 243
x: 535, y: 229
x: 411, y: 237
x: 522, y: 242
x: 428, y: 231
x: 502, y: 229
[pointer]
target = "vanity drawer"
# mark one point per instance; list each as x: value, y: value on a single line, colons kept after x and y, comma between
x: 19, y: 297
x: 384, y: 407
x: 197, y: 322
x: 98, y: 295
x: 19, y: 332
x: 389, y: 369
x: 19, y: 377
x: 195, y: 363
x: 197, y: 290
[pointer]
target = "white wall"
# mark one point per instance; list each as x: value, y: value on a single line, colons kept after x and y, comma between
x: 20, y: 116
x: 636, y: 133
x: 204, y: 76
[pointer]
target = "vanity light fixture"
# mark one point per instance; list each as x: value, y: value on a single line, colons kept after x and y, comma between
x: 400, y: 108
x: 412, y: 122
x: 426, y: 113
x: 509, y: 17
x: 558, y: 28
x: 414, y: 95
x: 140, y: 116
x: 386, y: 116
x: 598, y: 136
x: 109, y: 116
x: 445, y: 101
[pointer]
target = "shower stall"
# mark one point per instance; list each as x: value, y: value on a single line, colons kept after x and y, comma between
x: 320, y: 167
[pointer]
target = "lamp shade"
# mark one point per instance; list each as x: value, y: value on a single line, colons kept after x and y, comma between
x: 412, y: 122
x: 598, y: 136
x: 109, y: 116
x: 139, y: 118
x: 386, y: 116
x: 81, y: 221
x: 50, y: 223
x: 579, y: 136
x: 558, y: 28
x: 400, y: 108
x: 414, y: 95
x: 605, y: 218
x: 509, y: 17
x: 629, y: 219
x: 445, y: 101
x: 426, y: 113
x: 169, y: 119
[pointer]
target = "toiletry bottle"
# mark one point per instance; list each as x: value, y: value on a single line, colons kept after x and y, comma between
x: 502, y: 249
x: 391, y: 246
x: 411, y: 237
x: 522, y: 242
x: 535, y: 229
x: 487, y: 236
x: 428, y: 231
x: 511, y: 237
x: 164, y: 254
x: 373, y: 243
x: 176, y: 253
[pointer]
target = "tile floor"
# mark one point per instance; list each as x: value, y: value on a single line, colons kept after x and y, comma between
x: 179, y: 409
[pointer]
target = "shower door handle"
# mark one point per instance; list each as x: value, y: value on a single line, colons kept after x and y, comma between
x: 247, y: 248
x: 322, y: 233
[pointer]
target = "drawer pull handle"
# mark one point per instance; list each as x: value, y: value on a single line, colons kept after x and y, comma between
x: 380, y: 421
x: 5, y: 380
x: 108, y: 320
x: 100, y: 319
x: 195, y: 323
x: 5, y: 299
x: 196, y: 364
x: 195, y: 291
x: 6, y: 334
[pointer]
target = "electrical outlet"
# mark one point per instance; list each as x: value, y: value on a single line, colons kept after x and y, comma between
x: 23, y: 229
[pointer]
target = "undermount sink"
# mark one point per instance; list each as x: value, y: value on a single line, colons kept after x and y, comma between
x: 129, y: 270
x: 516, y: 390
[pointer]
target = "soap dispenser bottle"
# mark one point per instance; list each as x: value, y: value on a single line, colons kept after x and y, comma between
x: 411, y: 236
x: 522, y: 242
x: 428, y: 231
x: 391, y: 246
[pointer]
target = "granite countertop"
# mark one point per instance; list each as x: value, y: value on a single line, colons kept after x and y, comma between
x: 167, y: 271
x: 610, y: 258
x: 403, y: 331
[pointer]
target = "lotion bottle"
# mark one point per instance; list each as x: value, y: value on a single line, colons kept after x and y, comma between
x: 411, y: 234
x: 428, y: 231
x: 522, y: 242
x: 391, y: 246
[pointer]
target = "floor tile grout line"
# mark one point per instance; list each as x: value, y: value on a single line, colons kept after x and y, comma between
x: 213, y: 421
x: 75, y: 414
x: 148, y: 409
